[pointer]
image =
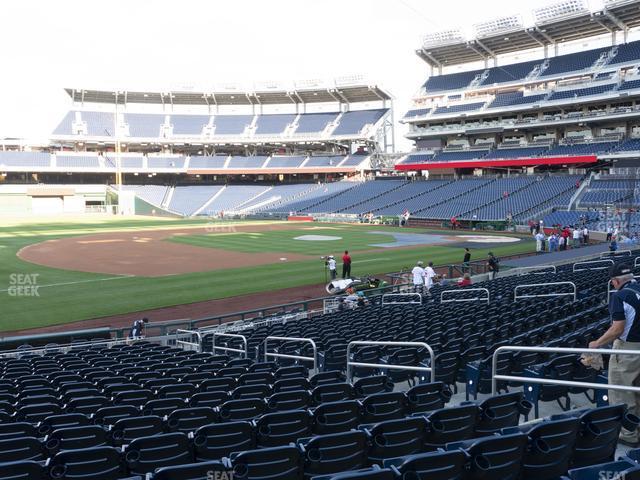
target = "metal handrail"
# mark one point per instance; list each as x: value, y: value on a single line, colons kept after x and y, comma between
x: 617, y: 253
x: 636, y: 262
x: 314, y: 359
x: 431, y: 368
x: 245, y: 352
x: 185, y: 343
x: 461, y: 290
x: 610, y: 262
x: 574, y: 294
x: 536, y: 270
x: 408, y: 294
x: 550, y: 381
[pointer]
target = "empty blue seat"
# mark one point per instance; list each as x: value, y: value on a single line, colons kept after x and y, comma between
x: 599, y: 430
x: 332, y: 392
x: 20, y: 449
x: 62, y: 421
x: 72, y: 438
x: 190, y: 419
x: 396, y: 438
x: 448, y: 425
x: 110, y: 415
x: 276, y: 429
x: 234, y: 410
x: 210, y: 399
x: 289, y: 400
x: 374, y: 384
x: 194, y: 471
x: 144, y: 455
x: 17, y: 430
x: 498, y: 457
x: 104, y: 463
x: 426, y: 397
x: 373, y: 473
x: 126, y: 430
x: 25, y: 470
x: 279, y: 463
x: 215, y: 441
x: 383, y: 406
x: 334, y: 453
x: 437, y: 465
x: 333, y: 417
x: 162, y: 406
x: 501, y: 411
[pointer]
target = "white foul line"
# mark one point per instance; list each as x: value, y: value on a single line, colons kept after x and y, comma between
x: 79, y: 281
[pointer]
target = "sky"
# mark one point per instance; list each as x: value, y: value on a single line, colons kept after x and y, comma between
x: 129, y: 44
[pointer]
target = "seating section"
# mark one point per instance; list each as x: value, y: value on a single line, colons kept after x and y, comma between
x: 353, y: 122
x: 165, y: 162
x: 273, y: 124
x: 463, y: 107
x: 212, y: 161
x: 247, y: 162
x: 234, y: 196
x: 157, y: 125
x: 77, y: 161
x: 154, y: 410
x: 186, y: 200
x: 582, y: 92
x: 153, y: 194
x: 286, y: 161
x: 24, y: 159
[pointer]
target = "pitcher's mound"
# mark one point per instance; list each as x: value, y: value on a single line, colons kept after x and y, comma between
x: 317, y: 238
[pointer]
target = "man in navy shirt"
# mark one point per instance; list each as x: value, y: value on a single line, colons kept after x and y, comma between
x: 624, y: 332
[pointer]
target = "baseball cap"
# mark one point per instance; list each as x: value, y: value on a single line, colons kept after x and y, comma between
x: 619, y: 270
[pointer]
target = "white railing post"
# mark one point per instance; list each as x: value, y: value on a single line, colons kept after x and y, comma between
x: 574, y: 293
x: 184, y: 343
x: 587, y: 265
x: 549, y: 381
x: 313, y: 359
x: 244, y: 351
x: 431, y: 368
x: 461, y: 291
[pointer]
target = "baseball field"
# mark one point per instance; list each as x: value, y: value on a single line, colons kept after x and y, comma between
x: 71, y: 269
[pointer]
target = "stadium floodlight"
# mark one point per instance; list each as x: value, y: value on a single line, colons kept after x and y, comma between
x: 565, y: 8
x: 498, y: 25
x: 443, y: 37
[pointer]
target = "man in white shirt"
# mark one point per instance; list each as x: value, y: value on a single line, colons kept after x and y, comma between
x: 429, y: 275
x: 576, y: 237
x: 539, y: 239
x: 585, y: 235
x: 331, y: 263
x: 418, y: 277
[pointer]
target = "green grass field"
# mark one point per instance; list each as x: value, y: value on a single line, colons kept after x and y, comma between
x: 66, y: 296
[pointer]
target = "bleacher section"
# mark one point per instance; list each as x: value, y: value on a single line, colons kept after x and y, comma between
x: 153, y: 194
x: 562, y: 65
x: 158, y: 411
x: 215, y: 161
x: 165, y: 162
x: 261, y: 126
x: 77, y: 161
x: 24, y: 159
x: 246, y: 162
x: 186, y: 200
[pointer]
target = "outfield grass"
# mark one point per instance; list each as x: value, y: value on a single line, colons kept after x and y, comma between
x: 66, y: 296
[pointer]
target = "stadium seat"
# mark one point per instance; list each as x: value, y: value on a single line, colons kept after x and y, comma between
x: 25, y: 470
x: 236, y: 410
x: 282, y: 428
x: 190, y: 419
x: 501, y: 411
x: 193, y: 471
x: 213, y: 442
x: 373, y: 473
x: 334, y: 417
x: 72, y: 438
x: 396, y: 438
x: 383, y: 406
x: 162, y: 406
x: 621, y: 469
x: 289, y: 400
x: 449, y: 425
x: 334, y: 453
x: 426, y: 397
x: 110, y: 415
x: 67, y: 420
x: 144, y: 455
x: 279, y: 463
x: 87, y: 463
x: 21, y: 448
x: 126, y: 430
x: 332, y: 392
x: 437, y: 465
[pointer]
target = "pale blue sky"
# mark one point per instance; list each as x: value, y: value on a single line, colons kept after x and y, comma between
x: 47, y: 45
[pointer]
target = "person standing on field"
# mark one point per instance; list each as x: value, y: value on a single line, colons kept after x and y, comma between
x: 331, y: 263
x: 346, y: 265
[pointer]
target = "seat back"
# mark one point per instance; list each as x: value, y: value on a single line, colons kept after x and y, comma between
x: 21, y: 448
x: 497, y: 457
x: 333, y: 453
x: 383, y: 406
x: 87, y: 463
x: 334, y: 417
x: 194, y: 471
x: 190, y: 419
x: 437, y: 465
x: 452, y: 424
x: 276, y: 429
x: 279, y: 463
x: 396, y: 438
x: 144, y: 455
x: 501, y: 411
x: 126, y: 430
x: 72, y: 438
x: 215, y: 441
